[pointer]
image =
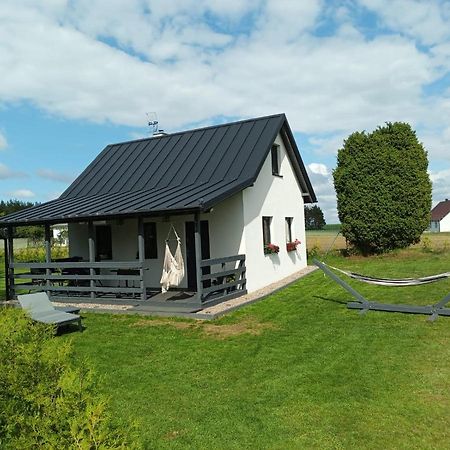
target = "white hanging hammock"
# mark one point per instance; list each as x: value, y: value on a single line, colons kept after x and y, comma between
x: 173, y: 268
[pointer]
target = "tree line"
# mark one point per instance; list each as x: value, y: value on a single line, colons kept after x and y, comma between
x: 34, y: 233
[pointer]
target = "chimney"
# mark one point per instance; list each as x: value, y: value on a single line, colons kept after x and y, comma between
x: 160, y: 133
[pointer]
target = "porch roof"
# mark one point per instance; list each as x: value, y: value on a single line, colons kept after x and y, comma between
x: 183, y: 172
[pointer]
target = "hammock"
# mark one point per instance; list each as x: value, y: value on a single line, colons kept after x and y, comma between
x: 394, y: 282
x: 364, y: 305
x: 173, y: 267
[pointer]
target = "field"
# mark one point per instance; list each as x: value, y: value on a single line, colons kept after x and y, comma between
x: 296, y: 370
x: 331, y: 238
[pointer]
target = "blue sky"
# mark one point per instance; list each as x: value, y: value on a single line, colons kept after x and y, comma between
x: 79, y: 74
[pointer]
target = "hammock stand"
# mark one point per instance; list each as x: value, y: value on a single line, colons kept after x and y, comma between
x: 364, y: 305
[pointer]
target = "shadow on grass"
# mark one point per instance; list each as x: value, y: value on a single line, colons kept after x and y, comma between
x: 341, y: 302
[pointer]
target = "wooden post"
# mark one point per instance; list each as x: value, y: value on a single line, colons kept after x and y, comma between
x: 91, y: 245
x: 5, y: 247
x: 141, y: 256
x: 48, y: 255
x: 198, y: 256
x: 10, y: 261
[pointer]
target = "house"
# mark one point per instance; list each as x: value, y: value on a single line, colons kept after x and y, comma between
x: 440, y: 217
x: 227, y: 190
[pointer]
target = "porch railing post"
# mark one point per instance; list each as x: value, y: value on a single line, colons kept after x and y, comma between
x: 141, y: 256
x: 10, y: 261
x: 91, y: 242
x: 241, y: 265
x: 48, y: 254
x: 198, y: 256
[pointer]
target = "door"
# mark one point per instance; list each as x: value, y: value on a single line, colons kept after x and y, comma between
x: 191, y: 265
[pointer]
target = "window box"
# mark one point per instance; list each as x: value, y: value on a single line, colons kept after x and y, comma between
x: 292, y: 246
x: 271, y: 249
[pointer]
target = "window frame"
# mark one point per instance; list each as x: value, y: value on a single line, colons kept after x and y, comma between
x: 267, y: 229
x: 275, y: 159
x: 288, y: 226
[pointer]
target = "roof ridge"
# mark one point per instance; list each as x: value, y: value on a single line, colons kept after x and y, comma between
x: 199, y: 129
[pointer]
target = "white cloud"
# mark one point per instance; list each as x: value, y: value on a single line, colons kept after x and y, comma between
x: 342, y: 82
x: 3, y: 142
x: 441, y: 185
x: 425, y: 20
x: 6, y: 172
x: 318, y: 168
x: 322, y: 182
x: 192, y: 60
x: 55, y: 176
x: 22, y: 193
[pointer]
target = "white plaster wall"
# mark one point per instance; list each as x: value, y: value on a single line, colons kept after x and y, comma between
x: 226, y: 224
x: 278, y: 197
x: 445, y: 224
x: 78, y: 240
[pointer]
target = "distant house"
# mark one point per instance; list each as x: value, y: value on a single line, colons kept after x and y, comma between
x: 440, y: 217
x: 228, y: 190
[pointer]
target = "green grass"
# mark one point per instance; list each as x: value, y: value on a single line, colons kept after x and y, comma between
x: 296, y: 370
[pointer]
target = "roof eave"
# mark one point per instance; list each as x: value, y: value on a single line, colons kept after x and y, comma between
x: 100, y: 216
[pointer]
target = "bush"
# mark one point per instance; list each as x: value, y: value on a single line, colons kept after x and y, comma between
x: 383, y: 189
x: 46, y: 400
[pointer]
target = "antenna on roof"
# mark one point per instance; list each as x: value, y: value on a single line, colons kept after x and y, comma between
x: 152, y: 121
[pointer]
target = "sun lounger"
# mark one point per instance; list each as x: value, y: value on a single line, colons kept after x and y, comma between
x: 41, y: 309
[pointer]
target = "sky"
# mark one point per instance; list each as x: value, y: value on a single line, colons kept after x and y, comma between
x: 76, y: 75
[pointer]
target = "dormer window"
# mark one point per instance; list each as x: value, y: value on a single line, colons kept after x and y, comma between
x: 275, y: 160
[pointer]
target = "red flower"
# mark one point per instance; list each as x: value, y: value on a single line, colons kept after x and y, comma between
x: 271, y: 248
x: 291, y: 246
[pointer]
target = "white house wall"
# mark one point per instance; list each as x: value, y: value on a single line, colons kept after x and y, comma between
x: 278, y: 197
x: 226, y: 223
x: 445, y: 224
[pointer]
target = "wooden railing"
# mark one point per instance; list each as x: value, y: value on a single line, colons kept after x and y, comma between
x: 66, y: 278
x: 222, y: 278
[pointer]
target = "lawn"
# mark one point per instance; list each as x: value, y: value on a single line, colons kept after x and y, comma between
x: 296, y: 370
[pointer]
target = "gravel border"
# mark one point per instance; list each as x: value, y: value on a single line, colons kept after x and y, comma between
x: 210, y: 313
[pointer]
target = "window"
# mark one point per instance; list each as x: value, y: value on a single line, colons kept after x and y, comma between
x: 103, y: 242
x: 266, y: 222
x: 150, y: 242
x: 288, y: 222
x: 275, y: 160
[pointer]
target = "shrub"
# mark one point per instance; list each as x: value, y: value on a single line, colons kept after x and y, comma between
x: 383, y: 189
x: 37, y: 254
x: 46, y: 400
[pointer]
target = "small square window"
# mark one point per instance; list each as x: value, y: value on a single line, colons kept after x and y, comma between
x: 266, y: 222
x: 288, y: 222
x: 275, y: 159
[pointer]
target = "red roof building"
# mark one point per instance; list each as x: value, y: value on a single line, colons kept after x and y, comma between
x: 440, y: 217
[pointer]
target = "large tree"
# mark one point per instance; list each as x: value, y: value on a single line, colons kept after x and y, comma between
x: 383, y: 188
x: 314, y: 219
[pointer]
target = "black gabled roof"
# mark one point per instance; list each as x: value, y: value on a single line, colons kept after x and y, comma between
x: 180, y: 172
